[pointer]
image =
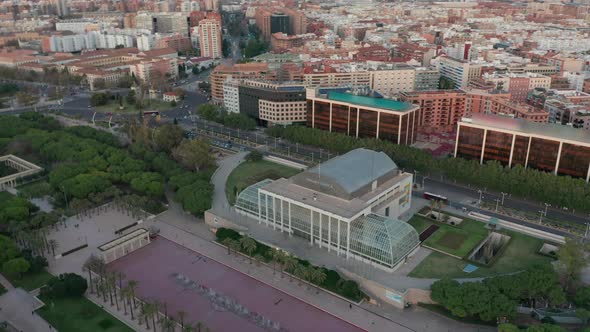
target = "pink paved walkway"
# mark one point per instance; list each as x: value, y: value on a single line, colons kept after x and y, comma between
x: 154, y: 265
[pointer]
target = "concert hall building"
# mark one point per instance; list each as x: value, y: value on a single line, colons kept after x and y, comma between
x: 552, y: 148
x: 349, y: 205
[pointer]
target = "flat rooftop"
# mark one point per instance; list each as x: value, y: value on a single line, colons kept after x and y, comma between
x: 344, y: 208
x: 386, y: 104
x: 557, y: 131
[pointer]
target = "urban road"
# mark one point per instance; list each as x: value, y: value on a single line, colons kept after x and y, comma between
x: 460, y: 196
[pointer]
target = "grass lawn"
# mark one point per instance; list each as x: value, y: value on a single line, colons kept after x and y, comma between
x: 248, y: 173
x: 31, y: 281
x: 420, y: 223
x: 457, y: 240
x: 113, y: 107
x: 520, y: 254
x: 79, y: 314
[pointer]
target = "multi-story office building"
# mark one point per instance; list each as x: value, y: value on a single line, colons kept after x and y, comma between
x: 349, y: 205
x: 279, y: 22
x: 547, y: 147
x: 458, y: 71
x: 361, y: 116
x: 480, y: 101
x: 440, y: 110
x: 231, y: 95
x: 354, y: 78
x: 296, y: 20
x: 426, y: 79
x: 273, y: 103
x: 210, y: 36
x: 505, y: 106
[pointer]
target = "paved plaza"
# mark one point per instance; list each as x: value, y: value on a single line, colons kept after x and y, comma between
x: 202, y: 287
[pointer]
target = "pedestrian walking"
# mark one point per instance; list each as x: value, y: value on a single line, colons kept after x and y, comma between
x: 350, y: 305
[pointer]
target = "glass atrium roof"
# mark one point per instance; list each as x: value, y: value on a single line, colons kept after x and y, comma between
x: 384, y: 239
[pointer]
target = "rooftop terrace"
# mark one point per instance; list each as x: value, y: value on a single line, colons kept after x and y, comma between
x: 386, y: 104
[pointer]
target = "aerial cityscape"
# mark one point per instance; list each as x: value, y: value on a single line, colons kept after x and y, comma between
x: 294, y: 165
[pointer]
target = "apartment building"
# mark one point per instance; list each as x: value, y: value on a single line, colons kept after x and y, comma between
x: 392, y: 82
x: 274, y: 19
x: 440, y: 110
x: 518, y: 85
x: 426, y: 79
x: 518, y: 110
x: 210, y: 39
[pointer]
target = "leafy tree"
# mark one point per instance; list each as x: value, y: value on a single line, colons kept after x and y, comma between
x: 208, y: 112
x: 16, y: 267
x: 582, y: 297
x: 238, y: 120
x: 65, y: 285
x: 131, y: 97
x: 8, y: 249
x: 226, y: 48
x: 196, y: 70
x: 27, y: 98
x: 168, y: 136
x: 99, y: 99
x: 194, y: 154
x: 254, y: 155
x: 149, y: 183
x: 173, y: 103
x: 255, y: 47
x: 572, y: 260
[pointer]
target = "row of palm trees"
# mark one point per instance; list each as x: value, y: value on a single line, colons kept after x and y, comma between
x: 109, y: 287
x: 280, y: 258
x: 32, y: 234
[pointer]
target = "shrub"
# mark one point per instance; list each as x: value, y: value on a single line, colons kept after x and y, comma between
x: 66, y: 285
x: 254, y: 156
x: 106, y: 324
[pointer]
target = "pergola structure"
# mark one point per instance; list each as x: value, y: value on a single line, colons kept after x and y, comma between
x: 23, y: 167
x: 124, y: 245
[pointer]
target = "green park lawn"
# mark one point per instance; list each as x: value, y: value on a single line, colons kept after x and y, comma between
x: 113, y: 107
x: 30, y: 281
x: 79, y: 314
x: 520, y: 254
x: 458, y: 240
x: 251, y: 172
x: 420, y: 223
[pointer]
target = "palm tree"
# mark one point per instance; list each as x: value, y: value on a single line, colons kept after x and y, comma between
x: 144, y: 314
x: 110, y: 283
x: 103, y: 288
x: 227, y: 242
x: 307, y: 274
x: 167, y: 324
x: 249, y: 245
x: 112, y: 278
x: 90, y: 265
x: 53, y: 244
x: 274, y: 254
x: 128, y: 294
x: 151, y: 310
x: 318, y: 277
x: 156, y: 310
x: 181, y: 316
x: 188, y: 328
x: 235, y: 246
x: 281, y: 257
x: 132, y: 285
x: 299, y: 272
x: 258, y: 258
x: 121, y: 276
x: 290, y: 264
x: 201, y: 326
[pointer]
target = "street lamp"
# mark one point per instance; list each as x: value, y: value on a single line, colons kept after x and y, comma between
x: 480, y: 197
x: 497, y: 202
x: 423, y: 179
x: 547, y: 205
x: 540, y: 216
x: 503, y: 194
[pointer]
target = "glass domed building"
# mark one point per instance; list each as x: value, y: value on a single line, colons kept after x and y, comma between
x: 349, y: 204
